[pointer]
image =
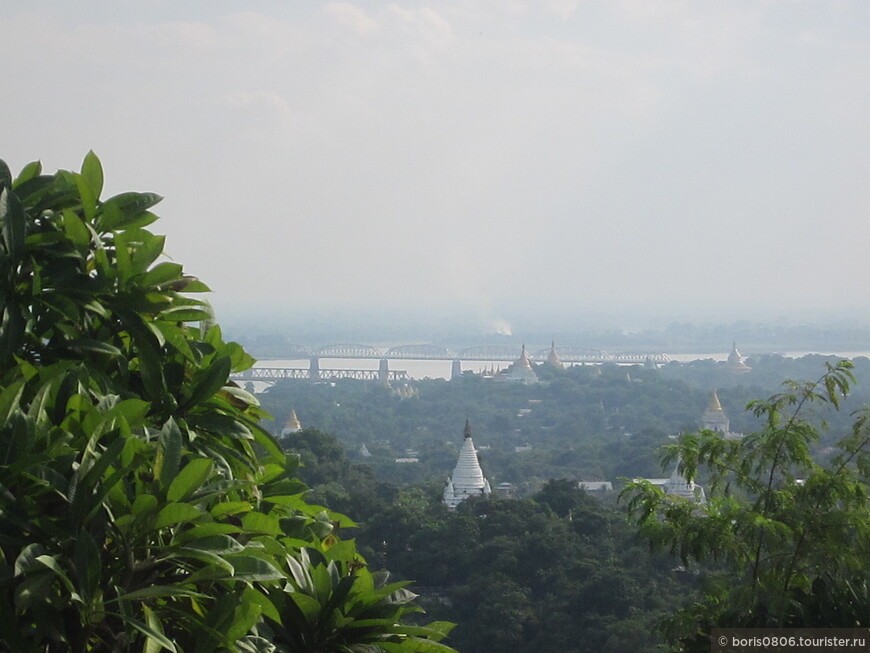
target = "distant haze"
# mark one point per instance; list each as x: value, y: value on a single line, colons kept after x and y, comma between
x: 491, y: 159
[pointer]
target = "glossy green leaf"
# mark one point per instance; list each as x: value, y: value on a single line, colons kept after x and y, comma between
x: 144, y: 503
x: 27, y: 558
x: 148, y: 251
x: 92, y: 174
x: 175, y: 513
x: 309, y: 605
x: 12, y: 224
x: 127, y: 210
x: 249, y: 568
x: 189, y: 479
x: 257, y: 522
x: 205, y: 530
x: 51, y: 563
x: 245, y: 616
x: 230, y: 508
x: 185, y: 314
x: 208, y: 381
x: 149, y: 632
x: 158, y: 591
x: 217, y: 544
x: 83, y: 345
x: 162, y: 274
x: 5, y: 176
x: 169, y: 456
x: 28, y: 172
x: 76, y: 230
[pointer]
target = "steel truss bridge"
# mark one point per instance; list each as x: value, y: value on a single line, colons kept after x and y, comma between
x: 273, y: 374
x: 478, y: 353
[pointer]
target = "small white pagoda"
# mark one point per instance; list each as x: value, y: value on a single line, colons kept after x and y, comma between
x: 737, y: 362
x: 467, y: 479
x: 680, y: 486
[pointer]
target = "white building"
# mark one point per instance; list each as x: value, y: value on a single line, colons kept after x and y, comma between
x: 467, y: 479
x: 680, y: 486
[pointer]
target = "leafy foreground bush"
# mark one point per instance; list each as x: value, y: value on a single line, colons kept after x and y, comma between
x: 784, y: 538
x: 141, y: 506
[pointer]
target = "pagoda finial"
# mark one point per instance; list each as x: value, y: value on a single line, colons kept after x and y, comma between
x: 467, y: 428
x: 714, y: 403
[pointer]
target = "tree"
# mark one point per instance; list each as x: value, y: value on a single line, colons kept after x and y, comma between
x: 141, y: 504
x: 784, y: 538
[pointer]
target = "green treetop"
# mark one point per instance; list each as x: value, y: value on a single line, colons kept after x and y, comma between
x: 784, y: 537
x: 141, y: 505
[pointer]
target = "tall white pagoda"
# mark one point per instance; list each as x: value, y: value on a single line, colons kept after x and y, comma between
x: 467, y: 479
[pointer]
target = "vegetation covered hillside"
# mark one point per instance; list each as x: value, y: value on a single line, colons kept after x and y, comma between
x: 558, y: 572
x: 561, y: 570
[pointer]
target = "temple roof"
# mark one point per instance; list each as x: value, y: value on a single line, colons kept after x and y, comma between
x: 714, y: 404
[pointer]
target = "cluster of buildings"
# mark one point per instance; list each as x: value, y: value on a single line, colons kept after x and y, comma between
x: 520, y: 371
x: 468, y: 479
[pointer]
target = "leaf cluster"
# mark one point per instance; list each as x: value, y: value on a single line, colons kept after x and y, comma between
x: 142, y: 506
x: 784, y: 537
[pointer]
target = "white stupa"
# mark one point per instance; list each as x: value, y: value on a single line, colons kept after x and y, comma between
x: 521, y: 371
x: 467, y: 479
x: 737, y: 362
x: 678, y: 485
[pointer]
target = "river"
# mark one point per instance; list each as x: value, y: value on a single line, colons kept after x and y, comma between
x: 441, y: 369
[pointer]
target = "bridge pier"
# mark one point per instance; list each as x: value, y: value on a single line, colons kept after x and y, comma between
x: 384, y: 372
x: 314, y: 369
x: 456, y: 369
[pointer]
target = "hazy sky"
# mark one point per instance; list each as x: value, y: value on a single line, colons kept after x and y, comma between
x: 567, y: 156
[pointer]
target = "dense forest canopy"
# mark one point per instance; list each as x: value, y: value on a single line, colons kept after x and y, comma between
x: 588, y: 423
x: 561, y: 570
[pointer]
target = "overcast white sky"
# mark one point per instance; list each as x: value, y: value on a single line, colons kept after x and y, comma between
x: 568, y: 156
